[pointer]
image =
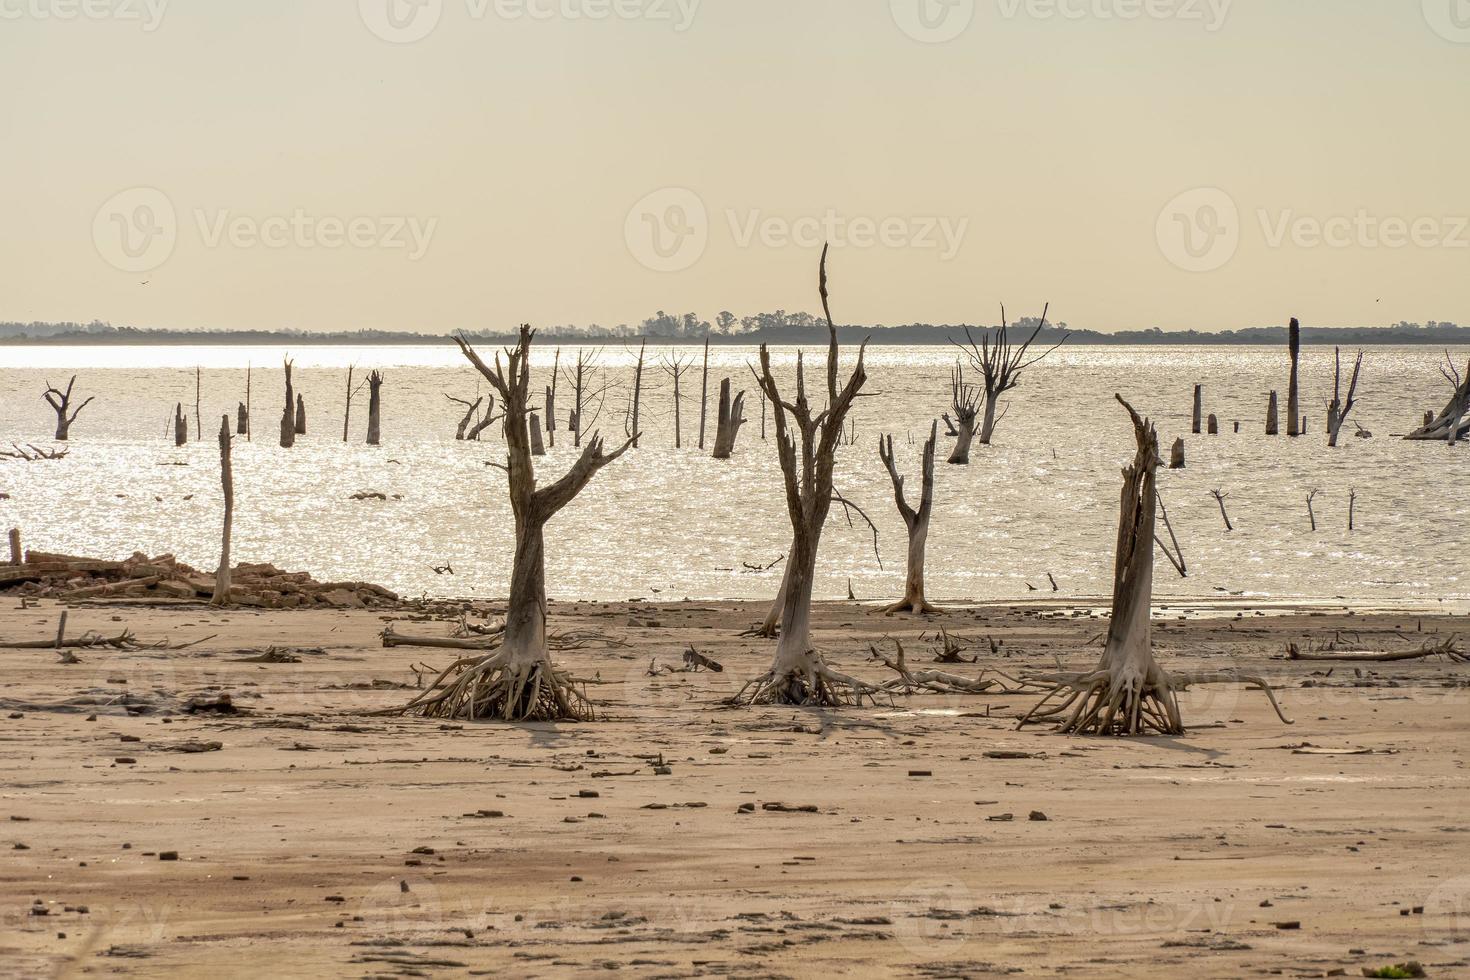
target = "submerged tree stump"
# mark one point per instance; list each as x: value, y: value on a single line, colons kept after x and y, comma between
x: 375, y: 408
x: 1273, y: 424
x: 288, y: 414
x: 1176, y: 455
x: 1294, y: 426
x: 964, y: 400
x: 728, y: 422
x: 60, y: 402
x: 181, y: 425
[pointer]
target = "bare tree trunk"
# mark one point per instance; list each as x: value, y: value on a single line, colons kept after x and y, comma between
x: 1001, y: 362
x: 464, y: 423
x: 551, y: 400
x: 704, y: 395
x: 727, y: 425
x: 965, y: 403
x: 17, y: 555
x: 988, y: 428
x: 247, y: 401
x: 771, y: 627
x: 181, y: 425
x: 637, y: 393
x: 227, y: 481
x: 60, y: 402
x: 242, y: 420
x: 1273, y: 423
x: 577, y: 418
x: 1339, y: 411
x: 487, y: 419
x: 347, y: 412
x: 519, y: 682
x: 678, y: 421
x: 375, y: 407
x: 538, y: 448
x: 198, y: 389
x: 798, y: 675
x: 1199, y: 408
x: 288, y: 415
x: 1128, y: 693
x: 1213, y: 425
x: 300, y: 415
x: 1293, y: 401
x: 917, y: 522
x: 1176, y: 455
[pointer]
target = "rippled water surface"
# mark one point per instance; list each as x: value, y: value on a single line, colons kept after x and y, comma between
x: 670, y: 523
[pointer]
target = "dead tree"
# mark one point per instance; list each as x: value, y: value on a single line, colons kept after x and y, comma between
x: 60, y: 402
x: 587, y: 390
x: 300, y: 415
x: 704, y: 395
x: 487, y: 419
x: 1293, y: 403
x: 242, y: 420
x: 965, y: 402
x: 551, y: 400
x: 1451, y: 424
x: 1199, y: 408
x: 288, y: 416
x: 727, y: 424
x: 248, y: 369
x: 181, y: 425
x: 470, y: 409
x: 1220, y: 499
x: 798, y: 675
x: 227, y: 481
x: 1176, y: 454
x: 347, y: 411
x: 1338, y: 410
x: 1128, y: 693
x: 198, y: 392
x: 375, y: 407
x: 1311, y: 515
x: 518, y: 681
x: 1273, y: 422
x: 1001, y: 363
x: 917, y: 522
x: 533, y: 425
x: 676, y: 366
x: 632, y: 428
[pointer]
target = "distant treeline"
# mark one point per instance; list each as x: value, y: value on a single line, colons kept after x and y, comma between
x: 772, y: 328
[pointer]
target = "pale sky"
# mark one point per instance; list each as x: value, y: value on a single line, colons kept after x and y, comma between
x: 318, y: 164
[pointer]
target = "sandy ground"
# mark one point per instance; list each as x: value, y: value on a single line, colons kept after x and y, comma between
x: 319, y: 840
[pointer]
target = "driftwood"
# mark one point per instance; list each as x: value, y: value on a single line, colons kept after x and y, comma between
x: 1447, y: 649
x: 60, y: 402
x: 798, y: 674
x: 915, y: 519
x: 1127, y: 693
x: 1001, y: 362
x: 486, y: 642
x: 1453, y: 422
x: 938, y: 681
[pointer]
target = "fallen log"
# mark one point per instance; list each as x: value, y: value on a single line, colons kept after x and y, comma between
x: 1445, y: 649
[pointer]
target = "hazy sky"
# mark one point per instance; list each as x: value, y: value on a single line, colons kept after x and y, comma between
x: 435, y: 164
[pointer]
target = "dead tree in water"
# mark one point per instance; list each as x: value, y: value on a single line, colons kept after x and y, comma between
x: 288, y: 416
x: 518, y: 682
x: 965, y: 403
x: 586, y: 390
x: 1273, y: 423
x: 375, y: 407
x: 632, y: 427
x: 227, y: 481
x: 300, y: 415
x: 1338, y: 410
x: 551, y: 400
x: 1293, y: 403
x: 181, y: 425
x: 1453, y: 423
x: 1199, y: 408
x: 917, y: 522
x: 676, y: 366
x: 60, y: 402
x: 727, y: 424
x: 1001, y: 362
x: 242, y: 420
x: 1220, y: 499
x: 1128, y: 693
x: 487, y: 419
x: 347, y: 412
x: 704, y: 393
x: 470, y: 409
x: 198, y: 390
x: 798, y: 675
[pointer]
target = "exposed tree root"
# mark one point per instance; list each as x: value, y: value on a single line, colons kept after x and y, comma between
x: 919, y: 607
x: 1128, y: 701
x: 942, y: 682
x: 500, y: 687
x: 808, y: 684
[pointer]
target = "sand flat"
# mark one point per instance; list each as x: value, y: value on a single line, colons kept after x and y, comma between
x: 321, y: 840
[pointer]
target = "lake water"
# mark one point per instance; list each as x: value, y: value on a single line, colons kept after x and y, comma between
x: 669, y: 523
